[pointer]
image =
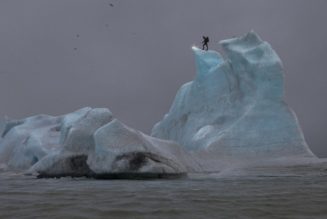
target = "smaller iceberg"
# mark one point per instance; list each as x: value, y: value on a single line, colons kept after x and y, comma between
x: 88, y: 142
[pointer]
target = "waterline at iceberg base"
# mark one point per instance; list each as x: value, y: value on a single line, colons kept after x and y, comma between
x: 232, y: 116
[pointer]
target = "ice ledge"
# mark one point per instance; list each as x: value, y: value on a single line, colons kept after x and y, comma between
x: 206, y: 60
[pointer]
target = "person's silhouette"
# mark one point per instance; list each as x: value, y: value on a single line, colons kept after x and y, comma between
x: 205, y: 42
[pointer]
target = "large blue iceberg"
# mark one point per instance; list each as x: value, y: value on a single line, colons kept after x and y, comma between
x: 235, y: 106
x: 232, y: 112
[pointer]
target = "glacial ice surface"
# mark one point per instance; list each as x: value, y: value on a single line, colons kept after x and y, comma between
x: 232, y: 112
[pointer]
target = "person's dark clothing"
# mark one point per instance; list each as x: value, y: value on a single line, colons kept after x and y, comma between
x: 205, y: 43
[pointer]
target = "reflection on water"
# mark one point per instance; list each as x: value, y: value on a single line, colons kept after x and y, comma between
x: 256, y: 194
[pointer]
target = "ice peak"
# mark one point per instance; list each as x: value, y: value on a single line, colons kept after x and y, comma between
x: 250, y: 50
x: 245, y: 42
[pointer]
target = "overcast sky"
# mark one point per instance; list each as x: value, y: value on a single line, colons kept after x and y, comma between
x: 60, y: 55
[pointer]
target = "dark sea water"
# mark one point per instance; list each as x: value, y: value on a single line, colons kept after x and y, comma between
x: 257, y: 194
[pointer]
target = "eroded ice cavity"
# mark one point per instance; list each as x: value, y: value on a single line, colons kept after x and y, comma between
x: 232, y: 112
x: 234, y: 107
x: 120, y: 149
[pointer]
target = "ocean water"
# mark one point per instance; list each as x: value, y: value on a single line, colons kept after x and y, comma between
x: 280, y: 193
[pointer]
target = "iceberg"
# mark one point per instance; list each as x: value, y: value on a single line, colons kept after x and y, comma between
x: 88, y: 142
x: 234, y: 107
x: 118, y: 152
x: 232, y: 114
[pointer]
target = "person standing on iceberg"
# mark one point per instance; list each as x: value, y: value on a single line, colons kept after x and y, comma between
x: 205, y: 42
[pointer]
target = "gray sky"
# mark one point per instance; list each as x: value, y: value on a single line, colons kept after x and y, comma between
x: 59, y: 55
